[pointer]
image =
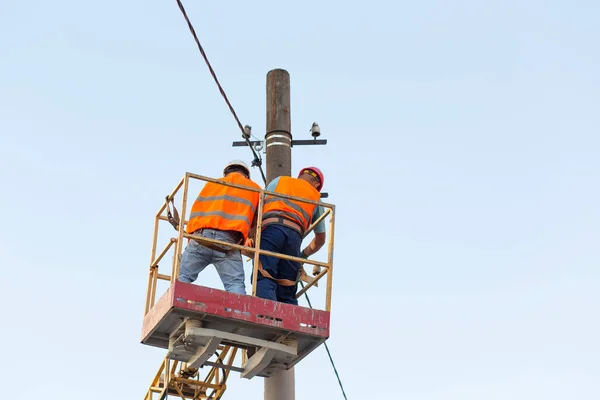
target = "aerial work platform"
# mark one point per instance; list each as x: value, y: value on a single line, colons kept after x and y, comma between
x: 191, y: 321
x: 195, y: 324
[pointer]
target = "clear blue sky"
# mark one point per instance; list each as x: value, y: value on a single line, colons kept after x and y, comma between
x: 462, y: 157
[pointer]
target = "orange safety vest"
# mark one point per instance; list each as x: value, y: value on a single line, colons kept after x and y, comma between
x: 296, y: 211
x: 225, y: 208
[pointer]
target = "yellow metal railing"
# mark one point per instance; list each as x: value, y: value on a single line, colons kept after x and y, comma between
x: 177, y: 243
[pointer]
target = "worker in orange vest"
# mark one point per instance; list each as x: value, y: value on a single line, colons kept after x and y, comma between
x: 223, y: 213
x: 284, y: 224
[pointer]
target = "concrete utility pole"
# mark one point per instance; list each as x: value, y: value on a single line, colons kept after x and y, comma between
x: 278, y: 140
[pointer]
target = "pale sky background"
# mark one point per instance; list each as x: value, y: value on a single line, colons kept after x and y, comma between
x: 462, y: 157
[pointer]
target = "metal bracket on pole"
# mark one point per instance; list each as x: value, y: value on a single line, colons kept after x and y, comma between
x: 204, y: 352
x: 197, y: 345
x: 309, y: 142
x: 259, y: 361
x: 294, y: 142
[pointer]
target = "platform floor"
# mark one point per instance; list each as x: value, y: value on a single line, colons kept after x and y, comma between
x: 242, y: 319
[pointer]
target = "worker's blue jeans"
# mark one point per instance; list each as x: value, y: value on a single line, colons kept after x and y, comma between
x: 229, y: 266
x: 279, y: 239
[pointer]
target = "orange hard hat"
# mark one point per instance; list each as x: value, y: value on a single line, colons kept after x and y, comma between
x: 316, y: 172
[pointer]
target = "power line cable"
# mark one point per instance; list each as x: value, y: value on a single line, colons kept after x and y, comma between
x: 327, y: 349
x: 257, y: 160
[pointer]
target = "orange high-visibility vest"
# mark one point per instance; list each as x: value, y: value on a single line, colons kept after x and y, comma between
x: 296, y: 211
x: 225, y: 208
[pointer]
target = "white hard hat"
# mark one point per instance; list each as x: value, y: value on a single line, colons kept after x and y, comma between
x: 238, y: 163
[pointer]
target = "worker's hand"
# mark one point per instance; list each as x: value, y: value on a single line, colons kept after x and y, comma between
x: 248, y: 243
x: 316, y: 270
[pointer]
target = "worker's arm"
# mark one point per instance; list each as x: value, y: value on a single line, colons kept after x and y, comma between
x: 320, y: 235
x: 315, y: 244
x: 252, y: 231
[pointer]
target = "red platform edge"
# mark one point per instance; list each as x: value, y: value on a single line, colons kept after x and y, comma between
x: 245, y: 308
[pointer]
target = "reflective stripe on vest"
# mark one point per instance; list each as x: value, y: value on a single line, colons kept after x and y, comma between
x: 295, y: 210
x: 288, y: 216
x: 228, y: 198
x: 225, y: 208
x: 221, y: 214
x: 289, y: 203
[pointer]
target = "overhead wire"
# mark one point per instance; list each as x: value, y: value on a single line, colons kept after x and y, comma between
x: 257, y: 160
x: 328, y: 352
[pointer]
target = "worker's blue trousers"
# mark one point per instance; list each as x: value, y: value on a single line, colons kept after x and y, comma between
x: 279, y: 239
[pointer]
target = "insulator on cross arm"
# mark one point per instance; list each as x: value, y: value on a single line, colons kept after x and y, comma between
x: 315, y: 131
x: 247, y: 132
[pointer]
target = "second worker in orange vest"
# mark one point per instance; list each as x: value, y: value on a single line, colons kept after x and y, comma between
x: 284, y: 224
x: 224, y: 213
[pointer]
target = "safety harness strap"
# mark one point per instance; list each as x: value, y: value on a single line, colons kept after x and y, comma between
x: 282, y: 282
